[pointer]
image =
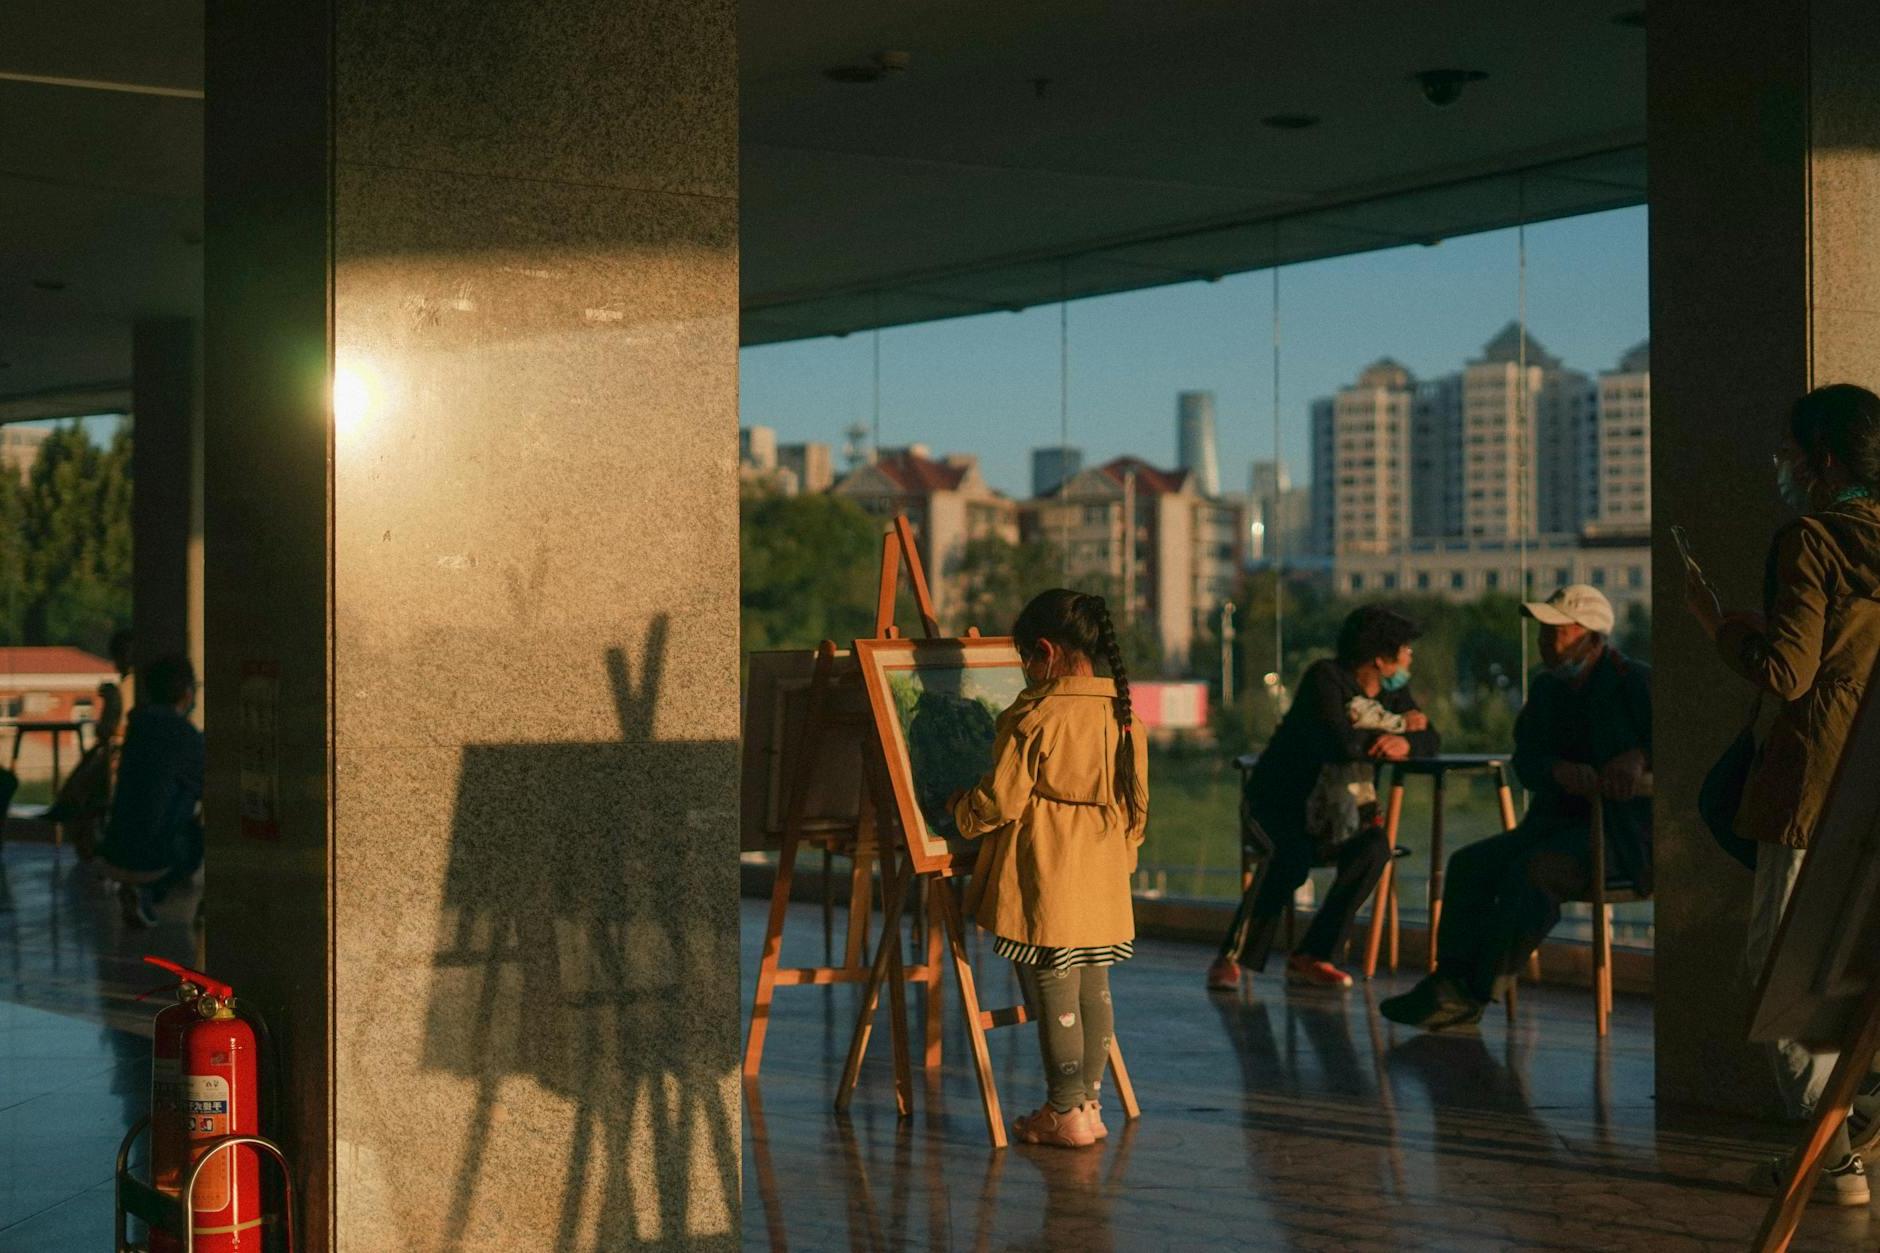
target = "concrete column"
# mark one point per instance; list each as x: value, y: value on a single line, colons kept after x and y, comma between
x: 1765, y: 255
x: 166, y: 518
x: 481, y: 871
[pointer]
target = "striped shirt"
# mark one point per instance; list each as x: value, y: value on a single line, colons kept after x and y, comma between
x: 1063, y: 958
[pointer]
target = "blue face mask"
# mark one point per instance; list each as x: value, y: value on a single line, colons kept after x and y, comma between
x: 1398, y: 681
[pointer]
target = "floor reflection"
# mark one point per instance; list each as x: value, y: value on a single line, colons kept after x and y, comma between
x: 74, y: 1047
x: 1277, y: 1119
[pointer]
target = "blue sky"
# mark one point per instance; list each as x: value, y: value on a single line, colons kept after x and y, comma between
x: 989, y: 384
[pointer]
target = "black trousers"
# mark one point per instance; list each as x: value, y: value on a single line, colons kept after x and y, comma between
x: 1502, y: 897
x: 1360, y: 862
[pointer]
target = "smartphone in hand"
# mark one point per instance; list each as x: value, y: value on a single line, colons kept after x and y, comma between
x: 1684, y: 550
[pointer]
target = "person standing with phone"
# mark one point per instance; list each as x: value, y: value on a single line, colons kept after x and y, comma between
x: 1814, y: 647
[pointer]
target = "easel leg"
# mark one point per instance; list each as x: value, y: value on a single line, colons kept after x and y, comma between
x: 860, y: 892
x: 767, y: 966
x: 828, y: 907
x: 1785, y: 1212
x: 897, y: 1019
x: 871, y: 991
x: 1125, y: 1090
x: 936, y: 985
x: 969, y: 1007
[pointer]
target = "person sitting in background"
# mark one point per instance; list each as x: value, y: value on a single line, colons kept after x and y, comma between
x: 1583, y: 739
x: 84, y: 800
x: 1308, y: 793
x: 153, y: 840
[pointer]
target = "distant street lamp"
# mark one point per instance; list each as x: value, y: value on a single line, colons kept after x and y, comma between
x: 1227, y: 652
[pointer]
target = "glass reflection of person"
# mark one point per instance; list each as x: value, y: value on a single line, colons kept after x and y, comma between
x: 1063, y: 808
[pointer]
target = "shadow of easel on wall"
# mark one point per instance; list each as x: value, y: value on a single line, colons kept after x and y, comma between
x: 572, y: 947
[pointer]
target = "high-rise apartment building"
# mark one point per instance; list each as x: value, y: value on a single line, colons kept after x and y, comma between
x: 19, y: 448
x: 949, y: 504
x: 1574, y: 474
x: 1194, y: 440
x: 1278, y: 515
x: 1499, y: 483
x: 1173, y: 553
x: 1436, y: 445
x: 1623, y: 449
x: 812, y: 463
x: 1361, y: 463
x: 1051, y: 466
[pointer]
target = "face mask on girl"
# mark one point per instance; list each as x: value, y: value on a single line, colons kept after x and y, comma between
x: 1396, y: 681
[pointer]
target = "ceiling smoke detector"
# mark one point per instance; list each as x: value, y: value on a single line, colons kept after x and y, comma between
x: 1443, y: 88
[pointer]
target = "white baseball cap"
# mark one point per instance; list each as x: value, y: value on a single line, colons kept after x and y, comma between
x: 1577, y: 604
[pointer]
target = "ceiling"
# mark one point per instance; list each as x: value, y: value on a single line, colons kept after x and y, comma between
x: 956, y: 186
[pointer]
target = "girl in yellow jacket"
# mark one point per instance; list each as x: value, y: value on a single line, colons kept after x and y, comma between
x: 1063, y: 810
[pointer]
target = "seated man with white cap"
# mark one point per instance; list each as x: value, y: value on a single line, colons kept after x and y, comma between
x: 1584, y: 738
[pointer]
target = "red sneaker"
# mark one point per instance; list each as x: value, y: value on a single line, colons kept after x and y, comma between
x: 1312, y: 970
x: 1224, y: 975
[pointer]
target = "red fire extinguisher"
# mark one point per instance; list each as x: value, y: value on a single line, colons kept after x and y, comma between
x: 220, y: 1096
x: 168, y: 1149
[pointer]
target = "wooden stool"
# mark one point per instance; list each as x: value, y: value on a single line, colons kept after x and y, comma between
x: 1604, y: 896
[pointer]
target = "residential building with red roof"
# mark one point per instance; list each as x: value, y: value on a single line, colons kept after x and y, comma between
x: 1187, y: 548
x: 949, y: 504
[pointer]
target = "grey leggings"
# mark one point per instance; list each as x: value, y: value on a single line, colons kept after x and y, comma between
x: 1075, y: 1022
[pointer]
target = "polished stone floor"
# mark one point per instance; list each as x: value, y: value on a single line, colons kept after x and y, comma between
x: 1275, y: 1120
x: 74, y: 1047
x: 1279, y: 1119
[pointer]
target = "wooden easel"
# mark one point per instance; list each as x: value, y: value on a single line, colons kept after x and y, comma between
x: 833, y: 686
x: 1785, y: 1212
x: 938, y: 889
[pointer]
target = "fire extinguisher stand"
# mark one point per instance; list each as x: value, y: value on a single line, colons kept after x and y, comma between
x: 172, y: 1214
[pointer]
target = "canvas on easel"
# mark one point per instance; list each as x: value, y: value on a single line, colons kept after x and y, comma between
x: 776, y: 716
x: 1821, y: 984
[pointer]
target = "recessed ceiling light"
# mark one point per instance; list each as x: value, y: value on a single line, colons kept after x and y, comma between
x: 1290, y: 121
x: 1632, y: 17
x: 49, y: 284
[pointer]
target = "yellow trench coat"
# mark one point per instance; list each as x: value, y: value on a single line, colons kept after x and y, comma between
x: 1060, y: 844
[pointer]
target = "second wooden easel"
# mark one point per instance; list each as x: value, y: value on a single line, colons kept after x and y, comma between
x: 836, y: 701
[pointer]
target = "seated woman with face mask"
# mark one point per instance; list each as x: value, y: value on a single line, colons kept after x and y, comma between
x: 1583, y: 739
x: 1311, y: 794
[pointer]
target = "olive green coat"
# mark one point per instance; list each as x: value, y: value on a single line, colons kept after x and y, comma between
x: 1060, y: 845
x: 1816, y: 651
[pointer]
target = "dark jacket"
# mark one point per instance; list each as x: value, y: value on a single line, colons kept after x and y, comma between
x: 1590, y: 723
x: 1317, y: 732
x: 159, y: 783
x: 1815, y: 651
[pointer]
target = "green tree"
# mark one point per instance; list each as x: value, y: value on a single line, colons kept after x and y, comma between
x: 13, y: 589
x: 810, y: 569
x: 75, y: 527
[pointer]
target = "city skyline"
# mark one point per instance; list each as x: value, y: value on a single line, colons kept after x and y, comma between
x: 989, y: 384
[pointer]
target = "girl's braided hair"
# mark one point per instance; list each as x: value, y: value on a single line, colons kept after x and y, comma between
x: 1080, y: 623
